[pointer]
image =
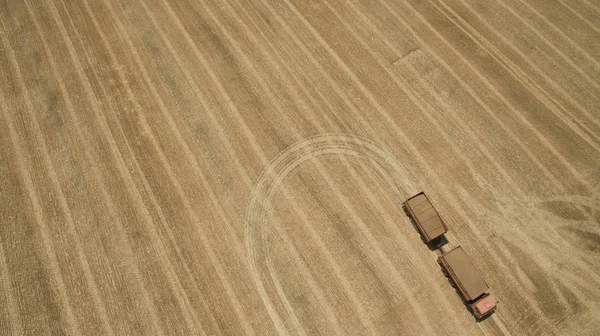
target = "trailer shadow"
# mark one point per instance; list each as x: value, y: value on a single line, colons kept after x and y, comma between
x: 437, y: 244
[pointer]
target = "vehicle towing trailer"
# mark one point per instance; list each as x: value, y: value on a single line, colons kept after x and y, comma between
x: 465, y: 277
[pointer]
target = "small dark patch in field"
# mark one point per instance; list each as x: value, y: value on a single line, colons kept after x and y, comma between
x: 580, y: 238
x: 566, y: 210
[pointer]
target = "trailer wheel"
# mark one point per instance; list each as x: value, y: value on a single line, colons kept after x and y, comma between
x: 469, y: 308
x: 406, y: 212
x: 445, y: 272
x: 451, y: 282
x: 414, y: 225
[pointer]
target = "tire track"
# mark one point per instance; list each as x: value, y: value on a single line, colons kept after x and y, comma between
x: 259, y: 212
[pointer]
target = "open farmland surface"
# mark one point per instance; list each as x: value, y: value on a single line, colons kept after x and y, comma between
x: 237, y: 167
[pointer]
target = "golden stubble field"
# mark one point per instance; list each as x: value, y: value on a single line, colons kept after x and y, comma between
x: 207, y: 167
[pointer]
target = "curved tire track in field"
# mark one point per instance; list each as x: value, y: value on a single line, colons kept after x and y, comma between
x: 282, y: 167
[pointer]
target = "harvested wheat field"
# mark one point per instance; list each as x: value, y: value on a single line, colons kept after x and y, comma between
x: 238, y: 167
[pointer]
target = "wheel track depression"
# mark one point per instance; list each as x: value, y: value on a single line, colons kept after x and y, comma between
x: 259, y: 213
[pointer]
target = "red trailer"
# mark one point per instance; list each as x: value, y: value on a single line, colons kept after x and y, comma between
x: 424, y: 216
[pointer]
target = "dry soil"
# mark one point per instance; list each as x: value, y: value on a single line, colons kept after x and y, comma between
x: 238, y: 167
